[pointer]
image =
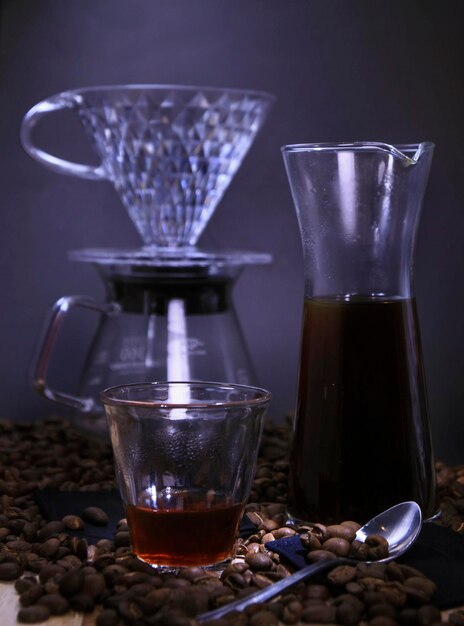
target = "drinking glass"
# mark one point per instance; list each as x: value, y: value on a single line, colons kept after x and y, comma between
x: 185, y: 454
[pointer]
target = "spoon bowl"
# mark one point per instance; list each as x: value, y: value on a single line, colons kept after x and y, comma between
x: 399, y: 525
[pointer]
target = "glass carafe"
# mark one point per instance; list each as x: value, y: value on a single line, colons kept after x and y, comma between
x: 158, y: 322
x: 361, y: 438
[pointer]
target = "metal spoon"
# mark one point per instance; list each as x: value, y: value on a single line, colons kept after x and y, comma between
x: 399, y: 525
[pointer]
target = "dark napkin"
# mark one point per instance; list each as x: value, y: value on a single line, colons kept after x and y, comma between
x: 438, y: 552
x: 54, y: 505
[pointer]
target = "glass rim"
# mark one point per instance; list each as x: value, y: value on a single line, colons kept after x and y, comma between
x: 264, y: 396
x: 264, y: 95
x: 359, y: 146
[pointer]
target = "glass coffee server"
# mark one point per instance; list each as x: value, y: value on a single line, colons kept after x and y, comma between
x: 170, y: 152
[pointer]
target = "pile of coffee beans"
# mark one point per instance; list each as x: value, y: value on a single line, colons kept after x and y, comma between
x: 55, y: 572
x: 339, y: 540
x: 450, y: 485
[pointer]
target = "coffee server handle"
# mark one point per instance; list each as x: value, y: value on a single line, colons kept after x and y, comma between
x: 59, y: 311
x: 62, y: 166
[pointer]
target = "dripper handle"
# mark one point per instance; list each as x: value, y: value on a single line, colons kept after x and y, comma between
x: 62, y: 166
x: 59, y: 311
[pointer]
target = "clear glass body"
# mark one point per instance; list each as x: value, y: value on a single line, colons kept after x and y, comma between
x: 185, y: 455
x: 361, y: 439
x: 164, y: 318
x: 168, y: 327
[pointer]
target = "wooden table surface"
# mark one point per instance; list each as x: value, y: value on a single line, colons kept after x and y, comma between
x: 9, y: 607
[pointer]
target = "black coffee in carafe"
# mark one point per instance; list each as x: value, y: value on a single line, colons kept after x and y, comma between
x: 361, y: 433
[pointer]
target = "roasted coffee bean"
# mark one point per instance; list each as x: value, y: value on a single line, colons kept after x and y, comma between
x: 359, y: 550
x: 10, y: 570
x: 457, y: 618
x: 30, y: 532
x: 107, y: 617
x: 348, y: 614
x: 121, y: 539
x: 36, y: 565
x: 259, y: 561
x: 319, y: 614
x: 320, y: 555
x: 342, y: 575
x: 170, y: 617
x: 49, y: 548
x: 315, y: 591
x: 31, y: 595
x: 51, y: 529
x: 394, y: 572
x: 310, y: 541
x: 95, y: 515
x: 263, y: 618
x: 407, y: 617
x: 337, y: 545
x: 394, y: 593
x: 176, y: 583
x: 105, y: 545
x: 269, y: 524
x: 192, y: 601
x: 415, y: 596
x: 112, y: 573
x: 69, y: 561
x: 55, y: 602
x: 285, y: 531
x: 428, y: 614
x: 378, y: 547
x: 409, y: 571
x: 382, y: 620
x: 423, y: 584
x: 51, y: 586
x: 25, y: 583
x: 341, y: 531
x: 254, y: 546
x: 319, y: 530
x: 371, y: 570
x: 18, y: 545
x: 354, y: 525
x: 235, y: 581
x: 51, y: 571
x: 354, y: 588
x: 371, y: 597
x: 292, y: 612
x: 33, y: 614
x: 81, y: 602
x: 73, y: 522
x: 382, y: 608
x: 71, y: 582
x: 94, y: 585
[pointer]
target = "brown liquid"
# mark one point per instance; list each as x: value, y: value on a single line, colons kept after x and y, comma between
x: 361, y: 439
x: 196, y: 532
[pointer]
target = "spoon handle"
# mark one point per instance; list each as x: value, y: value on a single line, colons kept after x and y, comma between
x: 271, y: 591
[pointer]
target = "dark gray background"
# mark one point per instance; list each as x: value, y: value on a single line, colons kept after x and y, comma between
x: 342, y: 70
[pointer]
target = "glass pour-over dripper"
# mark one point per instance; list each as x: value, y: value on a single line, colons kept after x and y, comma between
x: 170, y: 151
